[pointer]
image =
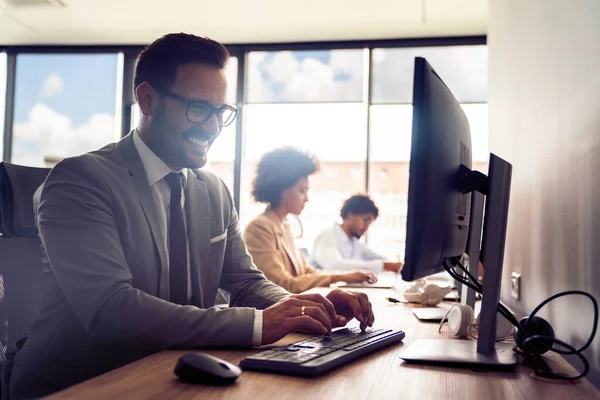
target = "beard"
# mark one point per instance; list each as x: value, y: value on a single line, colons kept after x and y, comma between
x: 172, y: 145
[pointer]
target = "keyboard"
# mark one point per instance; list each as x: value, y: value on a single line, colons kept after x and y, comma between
x: 317, y: 355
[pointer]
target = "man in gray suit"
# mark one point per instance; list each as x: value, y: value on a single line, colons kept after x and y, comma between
x: 139, y: 240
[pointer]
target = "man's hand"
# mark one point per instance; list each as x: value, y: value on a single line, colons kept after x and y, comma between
x: 350, y: 305
x: 287, y: 316
x: 320, y: 314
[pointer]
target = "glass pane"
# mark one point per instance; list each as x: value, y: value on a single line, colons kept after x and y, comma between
x: 305, y: 76
x: 391, y: 130
x: 64, y: 106
x: 464, y: 69
x: 335, y: 133
x: 222, y: 153
x: 2, y: 100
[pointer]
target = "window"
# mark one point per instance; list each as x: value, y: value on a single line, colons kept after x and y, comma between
x: 310, y: 100
x: 463, y: 69
x: 2, y: 99
x: 334, y: 132
x: 305, y: 76
x: 391, y: 130
x: 221, y: 158
x: 317, y: 100
x: 64, y: 106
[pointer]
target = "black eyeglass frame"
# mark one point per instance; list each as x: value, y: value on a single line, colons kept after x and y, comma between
x: 213, y: 110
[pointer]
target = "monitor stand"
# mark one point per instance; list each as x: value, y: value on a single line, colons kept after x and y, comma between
x: 484, y: 352
x: 467, y: 295
x: 462, y: 353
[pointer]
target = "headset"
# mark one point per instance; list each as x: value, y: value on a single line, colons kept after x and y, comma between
x: 534, y: 335
x: 461, y: 322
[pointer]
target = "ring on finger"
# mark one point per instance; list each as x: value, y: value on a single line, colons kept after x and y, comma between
x: 302, y: 310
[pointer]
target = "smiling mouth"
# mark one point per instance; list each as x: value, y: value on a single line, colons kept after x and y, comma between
x: 197, y: 144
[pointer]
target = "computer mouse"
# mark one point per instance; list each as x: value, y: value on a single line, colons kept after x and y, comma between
x: 206, y: 369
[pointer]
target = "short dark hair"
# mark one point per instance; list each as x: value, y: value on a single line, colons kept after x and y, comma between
x: 157, y: 64
x: 359, y: 204
x: 279, y: 170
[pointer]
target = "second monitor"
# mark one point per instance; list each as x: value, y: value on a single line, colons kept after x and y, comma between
x: 440, y: 190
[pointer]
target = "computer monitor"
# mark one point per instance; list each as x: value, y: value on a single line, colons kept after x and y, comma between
x: 441, y: 188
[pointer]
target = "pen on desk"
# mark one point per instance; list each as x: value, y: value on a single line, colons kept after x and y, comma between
x: 392, y: 300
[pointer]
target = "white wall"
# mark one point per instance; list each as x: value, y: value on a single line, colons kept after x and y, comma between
x: 544, y: 105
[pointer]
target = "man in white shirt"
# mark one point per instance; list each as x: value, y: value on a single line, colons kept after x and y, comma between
x: 340, y: 247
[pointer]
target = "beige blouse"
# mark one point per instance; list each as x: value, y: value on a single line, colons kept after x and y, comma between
x: 273, y: 251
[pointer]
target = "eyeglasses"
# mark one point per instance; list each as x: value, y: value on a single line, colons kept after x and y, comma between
x: 199, y: 113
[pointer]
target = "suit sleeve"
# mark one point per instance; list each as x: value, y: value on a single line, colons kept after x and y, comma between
x: 261, y: 242
x: 79, y: 232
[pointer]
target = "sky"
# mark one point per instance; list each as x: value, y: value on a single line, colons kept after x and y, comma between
x: 65, y: 104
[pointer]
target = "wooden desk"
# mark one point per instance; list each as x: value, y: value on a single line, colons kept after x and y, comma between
x: 380, y: 375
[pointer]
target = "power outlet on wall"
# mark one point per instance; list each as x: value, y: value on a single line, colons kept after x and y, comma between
x: 515, y: 286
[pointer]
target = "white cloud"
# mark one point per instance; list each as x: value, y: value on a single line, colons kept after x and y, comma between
x: 53, y: 86
x: 284, y: 77
x: 49, y: 133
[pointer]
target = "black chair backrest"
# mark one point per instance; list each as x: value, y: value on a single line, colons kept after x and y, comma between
x: 17, y: 187
x: 21, y: 255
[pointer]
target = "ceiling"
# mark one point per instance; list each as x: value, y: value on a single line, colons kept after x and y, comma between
x: 97, y: 22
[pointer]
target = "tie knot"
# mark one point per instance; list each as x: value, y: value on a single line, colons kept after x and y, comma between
x: 174, y: 181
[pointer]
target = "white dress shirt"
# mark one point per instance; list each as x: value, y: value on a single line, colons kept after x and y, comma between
x: 156, y: 170
x: 333, y: 249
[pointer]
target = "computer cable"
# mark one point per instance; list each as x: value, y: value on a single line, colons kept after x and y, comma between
x: 476, y: 286
x: 534, y: 335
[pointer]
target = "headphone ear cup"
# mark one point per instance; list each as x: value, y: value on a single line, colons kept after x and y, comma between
x: 459, y: 319
x: 537, y: 326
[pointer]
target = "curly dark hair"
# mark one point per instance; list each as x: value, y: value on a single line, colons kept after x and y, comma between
x: 279, y: 170
x: 157, y: 64
x: 359, y: 204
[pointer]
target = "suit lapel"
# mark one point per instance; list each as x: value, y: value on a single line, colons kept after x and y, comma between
x: 144, y: 193
x: 197, y: 211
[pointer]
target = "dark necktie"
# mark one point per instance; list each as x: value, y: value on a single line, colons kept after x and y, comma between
x: 178, y: 263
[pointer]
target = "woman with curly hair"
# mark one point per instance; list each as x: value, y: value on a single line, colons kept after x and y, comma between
x: 281, y: 182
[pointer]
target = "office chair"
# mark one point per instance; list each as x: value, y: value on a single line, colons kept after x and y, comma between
x: 21, y: 260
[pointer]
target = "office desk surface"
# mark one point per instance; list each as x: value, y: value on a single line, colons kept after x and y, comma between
x: 380, y: 375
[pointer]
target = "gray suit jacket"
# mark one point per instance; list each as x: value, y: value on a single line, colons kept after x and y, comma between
x: 107, y: 287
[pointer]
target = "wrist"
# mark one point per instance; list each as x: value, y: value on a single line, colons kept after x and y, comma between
x: 391, y: 266
x: 338, y: 277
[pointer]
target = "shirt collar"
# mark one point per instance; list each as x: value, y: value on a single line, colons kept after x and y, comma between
x: 155, y: 168
x: 339, y: 232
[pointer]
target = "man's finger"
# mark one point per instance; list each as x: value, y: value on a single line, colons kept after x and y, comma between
x: 298, y: 302
x: 306, y: 323
x: 365, y: 306
x: 319, y: 315
x: 352, y: 302
x: 317, y: 298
